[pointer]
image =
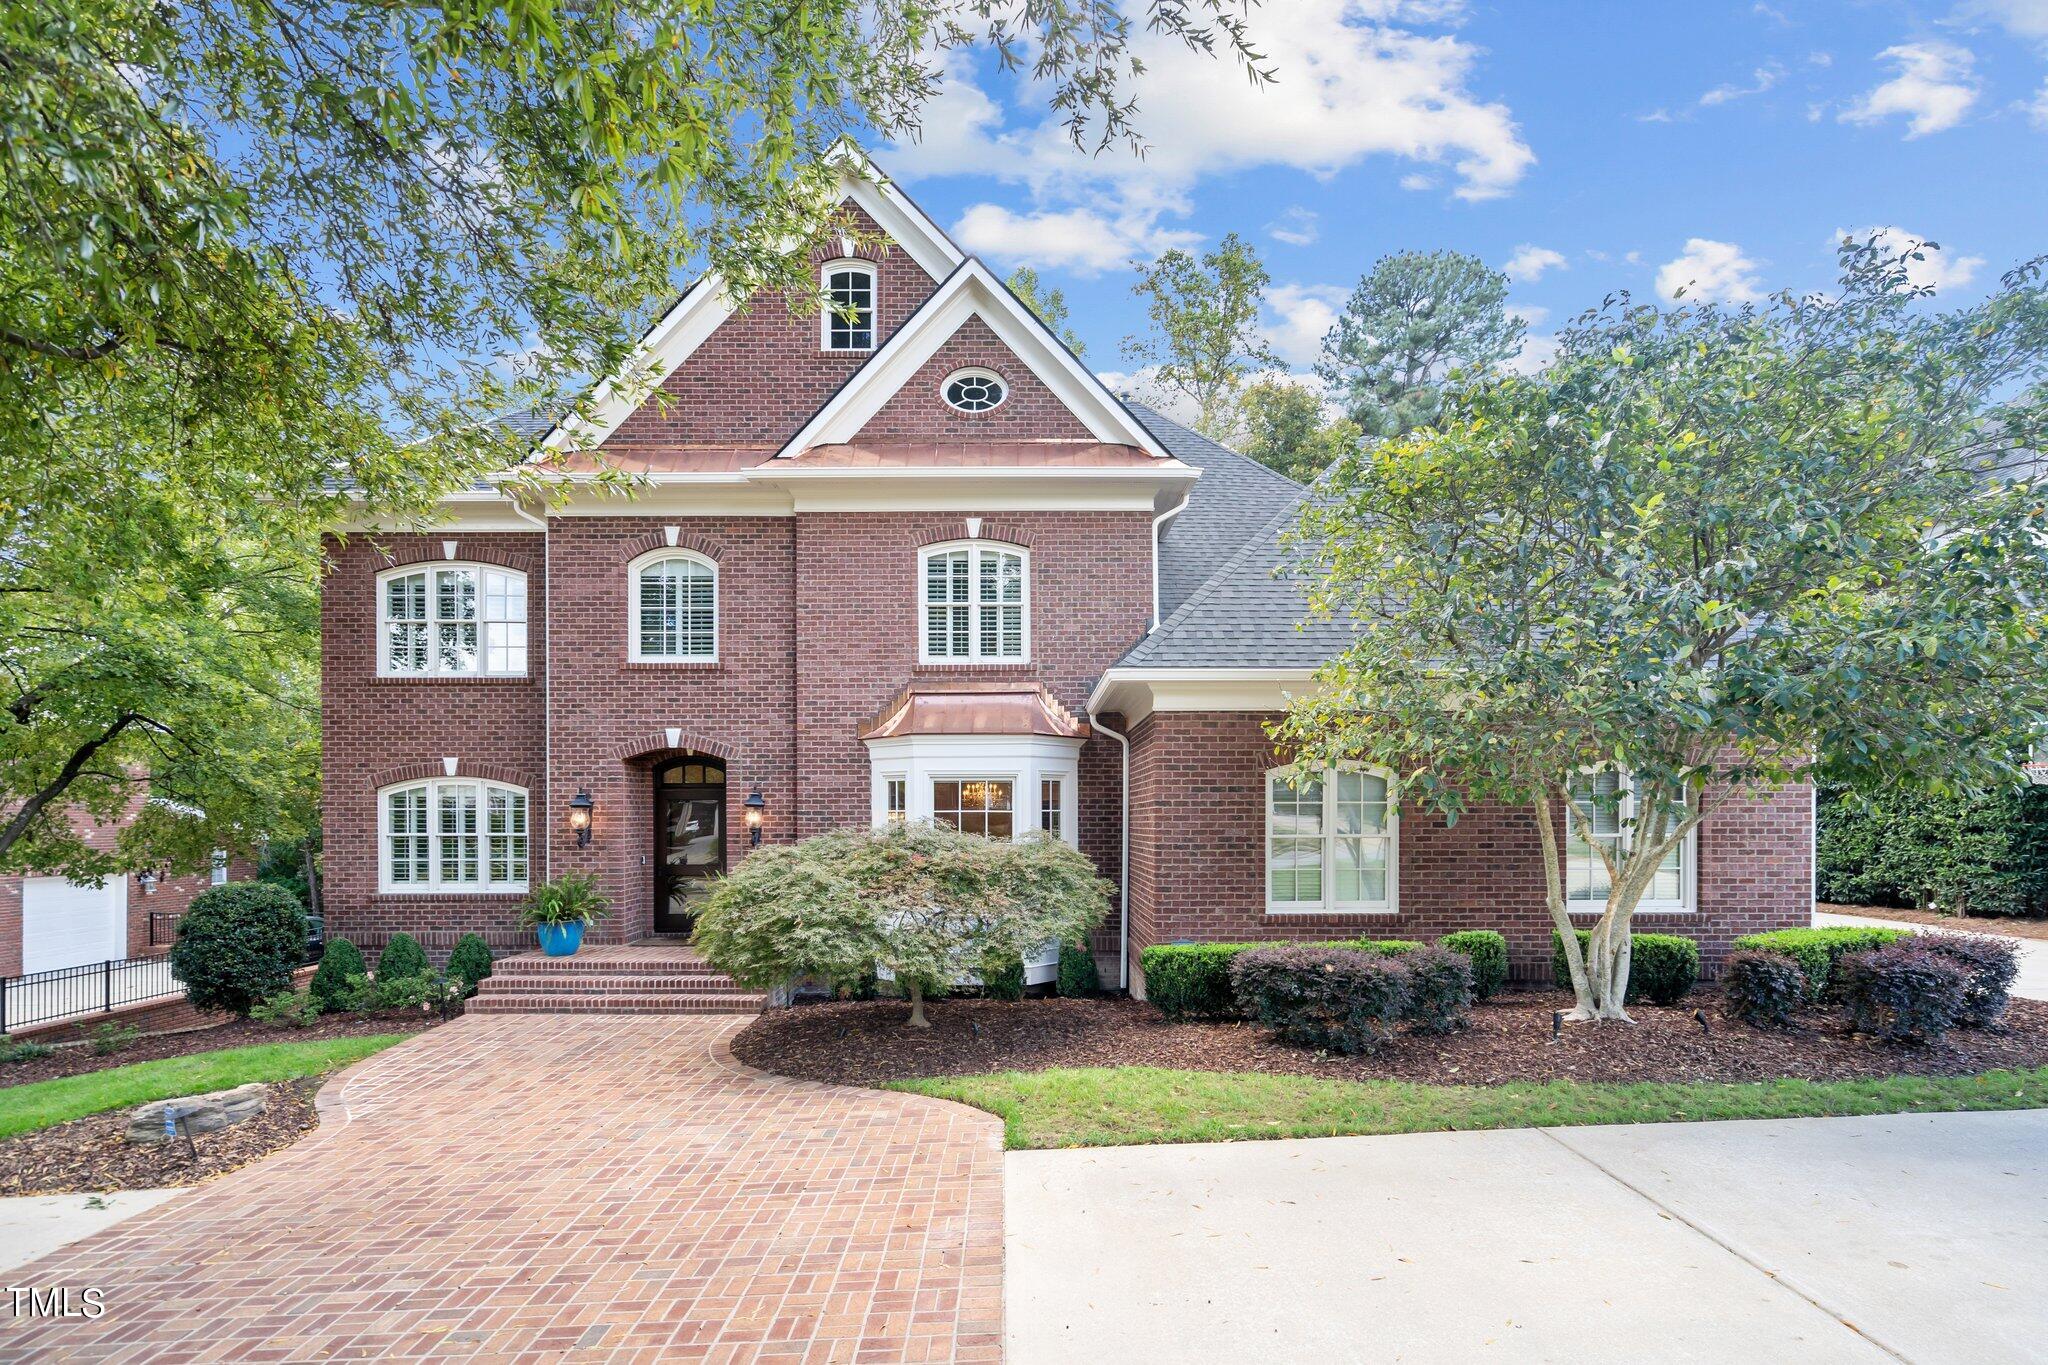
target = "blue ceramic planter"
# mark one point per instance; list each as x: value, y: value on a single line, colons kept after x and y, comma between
x: 560, y: 940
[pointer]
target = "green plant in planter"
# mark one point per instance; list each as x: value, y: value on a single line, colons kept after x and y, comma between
x: 572, y: 898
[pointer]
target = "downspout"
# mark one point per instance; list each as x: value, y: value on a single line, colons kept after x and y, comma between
x: 1123, y: 860
x: 547, y: 688
x: 1158, y: 524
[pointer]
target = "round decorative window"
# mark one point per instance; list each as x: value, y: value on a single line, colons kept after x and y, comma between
x: 974, y: 390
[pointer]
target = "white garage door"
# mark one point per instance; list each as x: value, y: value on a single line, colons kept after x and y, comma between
x: 64, y: 924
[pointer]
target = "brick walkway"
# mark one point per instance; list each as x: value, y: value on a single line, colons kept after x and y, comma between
x: 535, y: 1187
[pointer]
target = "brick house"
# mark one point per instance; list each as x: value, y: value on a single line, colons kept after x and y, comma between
x: 907, y: 558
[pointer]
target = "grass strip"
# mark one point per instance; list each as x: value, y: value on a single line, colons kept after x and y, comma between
x: 42, y: 1104
x: 1122, y: 1106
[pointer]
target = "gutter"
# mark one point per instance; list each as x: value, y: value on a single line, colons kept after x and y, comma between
x: 1158, y: 524
x: 1123, y: 861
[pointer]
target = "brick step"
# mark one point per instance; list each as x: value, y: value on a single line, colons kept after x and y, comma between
x: 610, y: 983
x: 677, y: 1002
x: 562, y: 967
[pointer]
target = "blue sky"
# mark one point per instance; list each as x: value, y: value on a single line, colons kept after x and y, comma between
x: 1589, y: 147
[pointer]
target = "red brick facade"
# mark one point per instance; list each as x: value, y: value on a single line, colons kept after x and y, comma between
x: 1198, y: 829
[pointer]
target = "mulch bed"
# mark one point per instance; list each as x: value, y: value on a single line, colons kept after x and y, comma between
x: 2006, y: 926
x: 1510, y: 1040
x: 75, y: 1061
x: 91, y: 1155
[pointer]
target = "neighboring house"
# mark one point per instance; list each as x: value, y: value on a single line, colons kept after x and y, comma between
x: 912, y: 563
x: 47, y: 923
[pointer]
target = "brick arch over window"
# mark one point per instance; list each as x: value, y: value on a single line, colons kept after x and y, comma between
x: 939, y: 532
x: 712, y: 550
x: 433, y: 769
x: 411, y: 550
x: 657, y: 742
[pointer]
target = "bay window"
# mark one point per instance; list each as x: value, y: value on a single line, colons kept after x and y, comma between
x: 1332, y: 842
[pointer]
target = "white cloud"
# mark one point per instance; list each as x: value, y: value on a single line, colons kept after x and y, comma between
x: 1761, y: 80
x: 1296, y: 227
x: 2037, y: 108
x: 1416, y: 180
x: 1710, y: 270
x: 1530, y: 261
x: 1536, y: 354
x: 2021, y: 18
x: 1080, y: 240
x: 1532, y: 314
x: 1776, y: 16
x: 1935, y: 86
x: 1298, y: 318
x: 1937, y: 270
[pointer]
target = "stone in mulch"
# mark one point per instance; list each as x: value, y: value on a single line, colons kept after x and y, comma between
x: 93, y: 1155
x: 166, y: 1120
x: 2004, y: 926
x: 1510, y: 1040
x: 74, y: 1061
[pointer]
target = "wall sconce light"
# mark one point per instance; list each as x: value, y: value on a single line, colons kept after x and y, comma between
x: 146, y: 879
x: 755, y: 805
x: 580, y: 808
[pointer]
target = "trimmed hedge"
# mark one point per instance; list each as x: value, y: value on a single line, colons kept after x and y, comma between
x: 1764, y: 988
x: 402, y: 956
x: 339, y: 961
x: 1992, y: 965
x: 1818, y: 950
x: 1662, y: 968
x: 1980, y: 854
x: 1439, y: 989
x: 470, y: 963
x: 1078, y: 976
x: 238, y: 945
x: 1488, y: 952
x: 1003, y: 980
x: 1904, y: 993
x: 1335, y: 998
x: 1192, y: 980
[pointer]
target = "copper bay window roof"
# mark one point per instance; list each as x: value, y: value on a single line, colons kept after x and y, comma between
x: 970, y: 708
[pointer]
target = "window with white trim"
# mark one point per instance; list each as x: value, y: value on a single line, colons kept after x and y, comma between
x: 1607, y: 806
x: 1052, y: 805
x: 849, y: 320
x: 973, y: 390
x: 975, y: 604
x: 675, y: 608
x: 219, y: 872
x: 451, y: 620
x: 976, y: 805
x: 1332, y: 841
x: 896, y: 800
x: 453, y: 835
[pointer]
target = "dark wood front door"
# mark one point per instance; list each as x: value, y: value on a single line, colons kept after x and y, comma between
x: 689, y: 838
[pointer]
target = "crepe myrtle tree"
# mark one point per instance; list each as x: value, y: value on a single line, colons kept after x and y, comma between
x: 929, y: 904
x: 1709, y: 551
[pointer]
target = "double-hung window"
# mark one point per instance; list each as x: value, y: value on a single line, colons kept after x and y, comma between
x: 849, y: 321
x: 1332, y: 842
x: 975, y: 604
x: 1607, y: 817
x: 452, y: 620
x: 454, y: 835
x: 675, y: 609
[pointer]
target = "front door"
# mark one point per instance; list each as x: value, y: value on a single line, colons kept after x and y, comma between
x: 689, y: 838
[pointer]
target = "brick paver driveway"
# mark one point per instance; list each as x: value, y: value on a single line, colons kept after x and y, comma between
x: 541, y: 1187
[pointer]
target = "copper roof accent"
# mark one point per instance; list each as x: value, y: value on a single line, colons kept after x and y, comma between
x: 663, y: 459
x: 988, y: 454
x: 974, y: 708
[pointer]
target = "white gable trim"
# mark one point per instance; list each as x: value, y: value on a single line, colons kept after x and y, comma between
x: 971, y: 291
x: 707, y: 305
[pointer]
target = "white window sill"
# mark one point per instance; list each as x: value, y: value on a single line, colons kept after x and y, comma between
x: 1660, y: 909
x: 460, y: 889
x: 1284, y: 910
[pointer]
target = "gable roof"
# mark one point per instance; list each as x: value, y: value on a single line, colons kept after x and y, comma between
x: 1235, y: 497
x: 972, y: 291
x: 706, y: 304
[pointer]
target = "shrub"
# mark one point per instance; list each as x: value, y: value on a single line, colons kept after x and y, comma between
x: 470, y: 962
x: 110, y: 1038
x: 1379, y: 947
x: 1003, y: 980
x: 1332, y: 998
x: 339, y: 961
x: 297, y: 1009
x: 1818, y: 950
x: 1488, y: 952
x: 1979, y: 854
x: 1662, y: 968
x: 1903, y: 993
x: 402, y: 956
x: 1439, y: 989
x: 238, y: 944
x: 1764, y: 988
x: 1191, y: 980
x: 12, y: 1051
x: 1078, y: 976
x: 1992, y: 964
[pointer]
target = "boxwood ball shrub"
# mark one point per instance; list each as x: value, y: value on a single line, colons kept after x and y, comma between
x: 1818, y: 950
x: 1903, y: 993
x: 1992, y: 965
x: 1191, y: 980
x: 1078, y: 974
x: 1440, y: 989
x: 470, y: 962
x: 339, y: 961
x: 1662, y: 968
x: 238, y: 945
x: 1488, y: 953
x: 402, y: 956
x: 1003, y: 980
x: 1331, y: 998
x: 1763, y: 989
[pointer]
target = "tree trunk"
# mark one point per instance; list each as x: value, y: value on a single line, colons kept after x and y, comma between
x: 1553, y: 887
x: 917, y: 1019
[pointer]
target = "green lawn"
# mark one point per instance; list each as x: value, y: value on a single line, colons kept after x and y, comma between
x: 1116, y: 1107
x: 39, y: 1104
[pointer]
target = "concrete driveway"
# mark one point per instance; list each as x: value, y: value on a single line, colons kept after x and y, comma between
x: 1920, y: 1238
x: 2032, y: 982
x: 551, y: 1187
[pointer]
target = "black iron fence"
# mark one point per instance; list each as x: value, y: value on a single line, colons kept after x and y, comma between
x: 78, y: 992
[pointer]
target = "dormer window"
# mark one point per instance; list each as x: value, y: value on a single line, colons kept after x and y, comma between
x: 973, y: 390
x: 849, y: 321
